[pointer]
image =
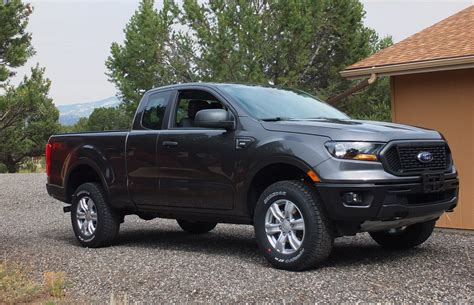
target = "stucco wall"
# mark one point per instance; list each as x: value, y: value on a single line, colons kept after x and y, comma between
x: 443, y: 101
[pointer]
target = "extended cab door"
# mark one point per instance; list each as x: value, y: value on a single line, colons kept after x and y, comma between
x: 141, y: 147
x: 195, y: 165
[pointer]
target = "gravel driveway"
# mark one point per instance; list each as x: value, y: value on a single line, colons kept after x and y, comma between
x: 155, y: 261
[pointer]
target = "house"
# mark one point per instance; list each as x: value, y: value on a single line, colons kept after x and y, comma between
x: 432, y: 85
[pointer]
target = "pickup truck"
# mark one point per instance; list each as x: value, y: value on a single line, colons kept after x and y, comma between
x: 300, y: 171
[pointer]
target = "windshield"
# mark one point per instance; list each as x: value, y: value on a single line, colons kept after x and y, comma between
x: 267, y: 103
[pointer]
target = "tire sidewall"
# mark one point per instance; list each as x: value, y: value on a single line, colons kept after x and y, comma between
x: 265, y: 201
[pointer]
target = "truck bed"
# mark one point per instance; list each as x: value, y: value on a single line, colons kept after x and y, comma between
x: 105, y: 149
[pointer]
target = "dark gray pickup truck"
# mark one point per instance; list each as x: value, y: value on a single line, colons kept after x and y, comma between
x: 301, y: 172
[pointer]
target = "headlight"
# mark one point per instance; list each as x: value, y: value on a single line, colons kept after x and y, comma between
x: 364, y: 151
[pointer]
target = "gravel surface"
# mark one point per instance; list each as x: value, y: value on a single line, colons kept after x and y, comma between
x: 155, y: 261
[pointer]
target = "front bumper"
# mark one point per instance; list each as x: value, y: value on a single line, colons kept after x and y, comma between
x: 388, y: 204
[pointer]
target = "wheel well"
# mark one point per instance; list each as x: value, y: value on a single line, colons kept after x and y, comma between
x: 80, y: 175
x: 269, y: 175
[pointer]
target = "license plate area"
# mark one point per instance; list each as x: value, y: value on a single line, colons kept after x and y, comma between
x: 433, y: 182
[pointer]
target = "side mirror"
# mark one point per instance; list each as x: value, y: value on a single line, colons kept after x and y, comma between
x: 214, y: 118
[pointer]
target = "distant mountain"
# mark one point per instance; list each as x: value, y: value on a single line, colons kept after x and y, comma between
x: 70, y: 114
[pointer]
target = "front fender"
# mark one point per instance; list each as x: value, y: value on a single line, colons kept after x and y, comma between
x: 300, y: 150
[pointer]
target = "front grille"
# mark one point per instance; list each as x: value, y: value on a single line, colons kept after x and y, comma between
x: 401, y: 158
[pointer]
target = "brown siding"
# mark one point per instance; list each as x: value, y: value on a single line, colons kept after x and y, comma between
x: 443, y: 101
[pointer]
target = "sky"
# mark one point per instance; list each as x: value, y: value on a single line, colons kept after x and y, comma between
x: 72, y: 38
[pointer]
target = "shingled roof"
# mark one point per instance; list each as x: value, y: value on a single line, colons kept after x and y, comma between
x: 448, y: 44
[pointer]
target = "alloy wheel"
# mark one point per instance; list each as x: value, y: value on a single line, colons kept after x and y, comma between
x: 86, y: 216
x: 284, y: 226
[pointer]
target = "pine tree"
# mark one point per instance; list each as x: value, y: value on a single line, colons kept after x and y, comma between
x: 108, y: 119
x: 27, y: 115
x: 15, y: 42
x: 31, y: 118
x: 146, y: 59
x: 294, y: 43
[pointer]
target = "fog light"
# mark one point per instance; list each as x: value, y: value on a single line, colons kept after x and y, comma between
x: 352, y: 198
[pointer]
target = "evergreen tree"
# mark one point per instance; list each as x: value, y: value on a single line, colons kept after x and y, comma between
x: 80, y: 126
x: 108, y: 119
x: 146, y: 58
x: 372, y: 103
x: 27, y: 115
x: 15, y: 42
x: 30, y: 119
x: 295, y: 43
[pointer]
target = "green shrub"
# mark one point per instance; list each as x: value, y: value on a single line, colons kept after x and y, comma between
x: 28, y: 166
x: 3, y: 168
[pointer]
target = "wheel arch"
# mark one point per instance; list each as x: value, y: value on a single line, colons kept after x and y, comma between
x: 271, y: 171
x: 83, y: 171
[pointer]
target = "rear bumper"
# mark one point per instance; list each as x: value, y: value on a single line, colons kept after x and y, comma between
x: 57, y: 192
x: 388, y: 204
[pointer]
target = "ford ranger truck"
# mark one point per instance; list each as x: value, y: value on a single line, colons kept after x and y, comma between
x: 298, y: 170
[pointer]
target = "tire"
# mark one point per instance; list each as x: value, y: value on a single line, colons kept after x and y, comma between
x: 316, y: 238
x: 196, y: 227
x: 107, y: 221
x: 409, y: 237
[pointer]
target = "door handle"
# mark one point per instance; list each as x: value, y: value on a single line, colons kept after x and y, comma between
x: 169, y: 143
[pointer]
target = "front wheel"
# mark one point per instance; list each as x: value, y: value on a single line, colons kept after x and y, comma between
x: 94, y: 222
x: 405, y: 237
x: 292, y: 227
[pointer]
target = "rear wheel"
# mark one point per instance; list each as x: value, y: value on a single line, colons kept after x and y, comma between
x: 404, y: 237
x: 292, y: 227
x: 196, y: 227
x: 94, y: 223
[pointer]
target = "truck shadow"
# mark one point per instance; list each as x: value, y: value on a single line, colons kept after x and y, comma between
x: 348, y: 251
x: 366, y: 252
x: 213, y: 243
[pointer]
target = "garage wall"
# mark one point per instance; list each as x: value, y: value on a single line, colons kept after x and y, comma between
x: 443, y: 101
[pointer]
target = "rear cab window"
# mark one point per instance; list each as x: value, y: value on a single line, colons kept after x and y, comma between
x: 154, y: 112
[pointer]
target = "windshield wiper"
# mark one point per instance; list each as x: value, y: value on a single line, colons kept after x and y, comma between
x: 276, y: 119
x: 321, y: 118
x: 316, y: 118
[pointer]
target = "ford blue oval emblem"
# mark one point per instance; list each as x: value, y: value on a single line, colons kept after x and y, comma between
x: 425, y: 157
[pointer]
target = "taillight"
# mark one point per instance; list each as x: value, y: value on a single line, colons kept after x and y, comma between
x: 47, y: 157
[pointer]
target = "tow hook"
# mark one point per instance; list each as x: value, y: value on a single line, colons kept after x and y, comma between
x: 67, y: 209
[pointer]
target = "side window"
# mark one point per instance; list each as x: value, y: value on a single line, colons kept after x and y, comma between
x: 155, y: 110
x: 190, y: 102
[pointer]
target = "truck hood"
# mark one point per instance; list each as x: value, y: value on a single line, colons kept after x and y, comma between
x: 354, y: 130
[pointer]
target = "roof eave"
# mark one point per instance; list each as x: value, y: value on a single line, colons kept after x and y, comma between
x: 464, y: 62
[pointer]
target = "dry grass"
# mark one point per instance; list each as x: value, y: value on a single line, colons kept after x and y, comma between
x: 54, y: 283
x: 17, y: 286
x: 120, y: 299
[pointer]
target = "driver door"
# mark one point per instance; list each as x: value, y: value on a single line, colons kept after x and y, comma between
x: 195, y: 165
